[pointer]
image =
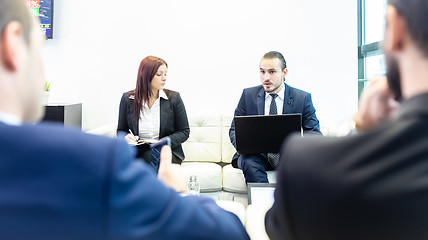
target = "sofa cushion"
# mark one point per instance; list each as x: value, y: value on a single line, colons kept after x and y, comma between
x: 233, y: 180
x: 271, y: 176
x: 209, y: 175
x: 202, y: 152
x: 227, y: 149
x: 204, y: 143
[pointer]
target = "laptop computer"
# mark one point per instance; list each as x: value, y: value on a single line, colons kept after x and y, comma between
x: 261, y: 193
x: 264, y: 133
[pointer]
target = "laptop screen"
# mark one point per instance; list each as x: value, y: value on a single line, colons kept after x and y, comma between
x: 261, y: 193
x: 264, y: 133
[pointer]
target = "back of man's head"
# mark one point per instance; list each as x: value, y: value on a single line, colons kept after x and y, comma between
x: 21, y: 73
x: 15, y: 10
x: 415, y: 13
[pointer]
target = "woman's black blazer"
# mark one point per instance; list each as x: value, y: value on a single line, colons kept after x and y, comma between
x: 173, y: 121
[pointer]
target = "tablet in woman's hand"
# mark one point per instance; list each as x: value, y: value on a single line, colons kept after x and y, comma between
x: 156, y: 149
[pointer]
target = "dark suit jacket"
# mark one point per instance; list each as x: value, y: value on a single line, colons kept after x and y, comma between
x: 368, y: 186
x: 173, y: 121
x: 252, y: 102
x: 62, y: 184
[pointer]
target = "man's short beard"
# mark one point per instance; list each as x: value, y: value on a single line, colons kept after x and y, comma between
x: 393, y: 76
x: 275, y: 88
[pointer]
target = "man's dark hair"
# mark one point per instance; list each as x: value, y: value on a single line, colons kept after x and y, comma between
x: 415, y: 13
x: 275, y: 54
x: 15, y: 10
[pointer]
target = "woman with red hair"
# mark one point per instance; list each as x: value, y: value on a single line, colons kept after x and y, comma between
x: 152, y: 112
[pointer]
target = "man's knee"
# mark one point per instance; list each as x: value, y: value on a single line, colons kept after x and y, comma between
x: 251, y: 163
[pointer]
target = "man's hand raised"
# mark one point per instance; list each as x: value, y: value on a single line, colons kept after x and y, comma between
x: 171, y: 174
x: 377, y: 104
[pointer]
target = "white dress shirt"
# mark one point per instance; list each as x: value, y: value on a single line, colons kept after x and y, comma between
x: 10, y: 119
x: 149, y: 124
x: 279, y: 101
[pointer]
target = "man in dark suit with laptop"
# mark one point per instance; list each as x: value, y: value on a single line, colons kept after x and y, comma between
x: 58, y: 183
x: 373, y: 185
x: 272, y: 97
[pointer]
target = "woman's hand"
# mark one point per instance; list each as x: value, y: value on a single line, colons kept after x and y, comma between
x: 130, y: 139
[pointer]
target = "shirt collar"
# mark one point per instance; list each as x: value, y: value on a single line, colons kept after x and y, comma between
x: 10, y: 119
x: 162, y: 94
x: 280, y: 93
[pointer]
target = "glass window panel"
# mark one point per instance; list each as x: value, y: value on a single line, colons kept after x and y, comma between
x: 362, y: 84
x: 374, y: 20
x: 375, y: 66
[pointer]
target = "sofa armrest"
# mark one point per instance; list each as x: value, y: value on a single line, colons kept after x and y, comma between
x: 255, y: 224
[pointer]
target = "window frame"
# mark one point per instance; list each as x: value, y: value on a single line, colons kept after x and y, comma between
x: 364, y: 50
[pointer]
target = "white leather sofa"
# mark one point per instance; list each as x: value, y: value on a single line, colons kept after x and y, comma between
x: 208, y: 155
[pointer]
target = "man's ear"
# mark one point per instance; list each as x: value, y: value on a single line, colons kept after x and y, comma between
x: 10, y: 47
x: 395, y: 30
x: 285, y: 72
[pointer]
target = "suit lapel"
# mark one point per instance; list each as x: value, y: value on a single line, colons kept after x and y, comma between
x: 134, y: 126
x: 261, y: 102
x: 165, y: 114
x: 288, y: 100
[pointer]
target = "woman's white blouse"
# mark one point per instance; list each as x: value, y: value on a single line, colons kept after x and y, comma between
x: 149, y: 124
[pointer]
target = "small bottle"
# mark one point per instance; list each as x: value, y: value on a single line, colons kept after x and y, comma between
x: 193, y: 186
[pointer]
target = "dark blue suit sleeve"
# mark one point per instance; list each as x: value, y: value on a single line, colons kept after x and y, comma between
x: 310, y: 123
x: 239, y: 111
x: 141, y: 207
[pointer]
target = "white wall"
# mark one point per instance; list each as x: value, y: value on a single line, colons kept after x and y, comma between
x: 213, y: 48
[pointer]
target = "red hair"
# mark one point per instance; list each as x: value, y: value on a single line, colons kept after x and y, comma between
x: 143, y: 91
